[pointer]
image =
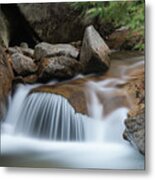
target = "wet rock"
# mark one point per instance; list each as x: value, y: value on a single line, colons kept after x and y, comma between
x: 73, y: 91
x: 78, y: 93
x: 23, y: 65
x: 17, y: 80
x: 78, y: 87
x: 60, y: 67
x: 94, y: 55
x: 135, y: 131
x: 136, y: 90
x: 49, y: 50
x: 31, y: 79
x: 135, y: 123
x: 6, y: 76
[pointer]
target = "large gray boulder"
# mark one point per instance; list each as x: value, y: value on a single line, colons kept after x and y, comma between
x: 23, y: 65
x: 53, y: 22
x: 60, y: 67
x: 135, y: 131
x: 50, y: 50
x: 94, y: 55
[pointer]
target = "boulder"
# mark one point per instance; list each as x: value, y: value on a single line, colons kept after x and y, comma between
x: 23, y: 65
x: 124, y: 39
x: 6, y: 76
x: 94, y: 55
x: 49, y: 22
x: 49, y: 50
x: 53, y: 22
x: 60, y: 67
x: 135, y: 131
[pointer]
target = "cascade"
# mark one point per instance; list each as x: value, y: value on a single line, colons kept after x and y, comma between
x: 45, y: 128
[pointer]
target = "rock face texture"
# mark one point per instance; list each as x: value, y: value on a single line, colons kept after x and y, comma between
x: 94, y: 52
x: 20, y: 30
x: 59, y: 20
x: 60, y: 67
x: 73, y: 91
x: 6, y: 76
x: 124, y: 38
x: 49, y: 50
x: 135, y: 131
x: 135, y: 123
x: 23, y: 65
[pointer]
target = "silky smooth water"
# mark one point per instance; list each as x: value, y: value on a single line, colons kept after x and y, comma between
x: 43, y: 130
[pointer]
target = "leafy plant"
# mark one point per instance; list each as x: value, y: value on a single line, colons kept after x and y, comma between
x: 119, y: 13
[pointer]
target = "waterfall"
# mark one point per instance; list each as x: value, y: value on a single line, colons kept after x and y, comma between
x: 43, y: 128
x: 14, y: 110
x: 47, y: 116
x: 50, y: 116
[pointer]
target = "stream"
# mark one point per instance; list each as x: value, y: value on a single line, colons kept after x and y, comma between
x: 44, y: 130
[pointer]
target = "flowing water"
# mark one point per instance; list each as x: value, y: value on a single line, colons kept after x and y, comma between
x: 43, y: 130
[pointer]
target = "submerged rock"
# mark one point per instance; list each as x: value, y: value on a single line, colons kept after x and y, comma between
x: 60, y: 67
x: 6, y: 76
x: 94, y: 55
x: 23, y: 65
x: 49, y: 50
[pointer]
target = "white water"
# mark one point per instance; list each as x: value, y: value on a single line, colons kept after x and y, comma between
x: 43, y: 130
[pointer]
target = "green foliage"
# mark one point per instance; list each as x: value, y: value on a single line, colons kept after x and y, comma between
x: 119, y: 13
